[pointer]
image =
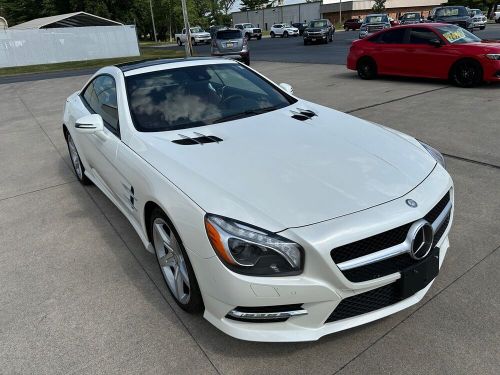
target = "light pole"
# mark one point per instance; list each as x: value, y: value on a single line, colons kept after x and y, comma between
x: 189, y: 47
x: 152, y: 18
x: 340, y: 11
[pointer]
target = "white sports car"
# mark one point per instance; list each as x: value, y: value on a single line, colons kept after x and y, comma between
x: 280, y: 219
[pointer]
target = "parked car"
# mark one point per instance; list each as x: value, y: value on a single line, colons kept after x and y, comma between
x: 231, y: 43
x: 374, y: 23
x: 352, y: 24
x: 262, y: 207
x: 320, y: 30
x: 283, y: 30
x: 249, y: 30
x: 496, y: 15
x: 456, y: 15
x: 479, y: 20
x: 301, y: 26
x: 198, y: 35
x: 428, y: 50
x: 410, y: 18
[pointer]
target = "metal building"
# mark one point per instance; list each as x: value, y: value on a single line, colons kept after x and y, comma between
x: 77, y: 19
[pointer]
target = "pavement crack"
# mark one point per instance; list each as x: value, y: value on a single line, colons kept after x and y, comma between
x: 37, y: 190
x: 418, y: 309
x: 397, y: 99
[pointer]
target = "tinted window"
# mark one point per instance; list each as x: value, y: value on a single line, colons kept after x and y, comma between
x: 395, y: 36
x: 422, y: 36
x: 100, y: 95
x: 239, y: 27
x: 376, y: 19
x: 229, y: 34
x: 318, y: 24
x: 451, y: 12
x: 199, y: 95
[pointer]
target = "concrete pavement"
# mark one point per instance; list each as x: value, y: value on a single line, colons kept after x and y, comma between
x: 79, y: 294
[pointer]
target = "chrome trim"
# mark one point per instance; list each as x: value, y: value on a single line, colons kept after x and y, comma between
x: 402, y: 248
x: 266, y: 316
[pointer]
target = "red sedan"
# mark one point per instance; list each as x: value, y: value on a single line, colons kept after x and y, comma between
x: 435, y: 50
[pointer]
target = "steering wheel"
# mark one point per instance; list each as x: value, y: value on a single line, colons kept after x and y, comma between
x: 231, y: 97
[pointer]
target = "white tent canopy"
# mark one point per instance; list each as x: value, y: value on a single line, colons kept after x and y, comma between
x: 77, y: 19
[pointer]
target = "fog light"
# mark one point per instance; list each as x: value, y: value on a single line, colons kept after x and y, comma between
x: 266, y: 314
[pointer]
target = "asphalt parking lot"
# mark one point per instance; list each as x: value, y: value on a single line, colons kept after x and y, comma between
x: 292, y: 49
x: 80, y: 295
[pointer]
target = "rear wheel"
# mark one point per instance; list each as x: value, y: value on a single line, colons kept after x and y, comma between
x: 248, y: 36
x: 272, y: 34
x: 306, y: 42
x: 174, y: 263
x: 285, y: 34
x: 346, y: 28
x: 193, y: 42
x: 467, y: 73
x: 367, y: 69
x: 259, y: 37
x: 482, y: 27
x: 179, y: 43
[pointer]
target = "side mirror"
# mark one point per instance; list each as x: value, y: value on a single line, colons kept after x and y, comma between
x: 287, y: 88
x: 91, y: 124
x: 435, y: 42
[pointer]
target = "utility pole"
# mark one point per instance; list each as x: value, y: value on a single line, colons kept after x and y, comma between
x: 153, y: 19
x: 340, y: 11
x: 189, y: 47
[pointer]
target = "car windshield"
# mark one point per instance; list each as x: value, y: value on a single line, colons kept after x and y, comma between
x: 411, y: 15
x: 196, y: 29
x: 451, y: 12
x: 457, y: 35
x: 247, y: 25
x: 199, y: 95
x: 376, y: 19
x: 318, y: 24
x: 476, y: 12
x: 229, y: 34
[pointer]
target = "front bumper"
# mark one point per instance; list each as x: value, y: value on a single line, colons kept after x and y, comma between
x: 479, y: 24
x: 315, y: 37
x: 491, y: 70
x: 203, y: 40
x: 322, y: 286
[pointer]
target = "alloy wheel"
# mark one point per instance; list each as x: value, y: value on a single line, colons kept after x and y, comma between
x: 171, y: 260
x: 467, y: 74
x: 75, y: 159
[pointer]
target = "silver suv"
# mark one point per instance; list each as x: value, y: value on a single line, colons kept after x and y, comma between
x: 231, y: 43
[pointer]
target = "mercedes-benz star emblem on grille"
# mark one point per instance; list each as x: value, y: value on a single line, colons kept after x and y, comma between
x: 411, y: 203
x: 421, y: 243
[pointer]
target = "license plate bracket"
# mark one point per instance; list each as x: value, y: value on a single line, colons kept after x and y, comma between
x: 417, y: 277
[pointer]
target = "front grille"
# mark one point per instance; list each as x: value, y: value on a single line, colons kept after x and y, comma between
x: 383, y: 241
x: 256, y: 30
x: 366, y: 302
x: 372, y: 29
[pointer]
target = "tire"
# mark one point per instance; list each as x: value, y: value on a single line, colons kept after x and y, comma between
x: 259, y: 37
x: 179, y: 43
x: 346, y: 28
x: 466, y: 73
x: 367, y: 68
x: 246, y: 61
x: 272, y: 34
x: 482, y: 27
x: 306, y: 42
x: 285, y: 34
x: 76, y: 162
x: 193, y: 42
x: 174, y: 263
x: 248, y: 36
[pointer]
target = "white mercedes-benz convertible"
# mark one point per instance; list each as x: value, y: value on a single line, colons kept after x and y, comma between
x: 278, y: 218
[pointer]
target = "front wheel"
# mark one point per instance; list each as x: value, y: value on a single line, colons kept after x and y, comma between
x: 482, y: 27
x: 272, y: 34
x: 367, y: 69
x: 179, y: 43
x: 306, y: 42
x: 346, y: 28
x: 467, y: 73
x: 174, y: 263
x: 193, y: 42
x: 259, y: 37
x: 78, y: 167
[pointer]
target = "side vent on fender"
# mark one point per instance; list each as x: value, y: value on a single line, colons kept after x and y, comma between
x: 303, y: 114
x: 201, y: 139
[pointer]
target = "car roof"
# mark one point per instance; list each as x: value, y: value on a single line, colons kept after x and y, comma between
x: 134, y: 65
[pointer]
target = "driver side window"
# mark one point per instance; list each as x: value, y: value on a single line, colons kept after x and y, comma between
x: 100, y: 96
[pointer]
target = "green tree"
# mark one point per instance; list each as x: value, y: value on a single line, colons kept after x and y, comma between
x: 379, y: 6
x: 252, y: 4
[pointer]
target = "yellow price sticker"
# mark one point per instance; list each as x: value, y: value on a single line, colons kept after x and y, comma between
x: 452, y: 36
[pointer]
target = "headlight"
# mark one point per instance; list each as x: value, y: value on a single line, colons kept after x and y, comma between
x: 493, y: 56
x: 435, y: 154
x: 248, y: 250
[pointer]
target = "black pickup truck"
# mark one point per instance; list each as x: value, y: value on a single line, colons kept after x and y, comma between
x: 456, y: 15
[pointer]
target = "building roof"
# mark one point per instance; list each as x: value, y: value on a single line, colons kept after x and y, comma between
x: 77, y: 19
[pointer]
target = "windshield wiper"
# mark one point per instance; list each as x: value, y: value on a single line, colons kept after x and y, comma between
x: 249, y: 112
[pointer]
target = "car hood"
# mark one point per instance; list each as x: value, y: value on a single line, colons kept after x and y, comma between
x: 316, y: 29
x: 278, y: 172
